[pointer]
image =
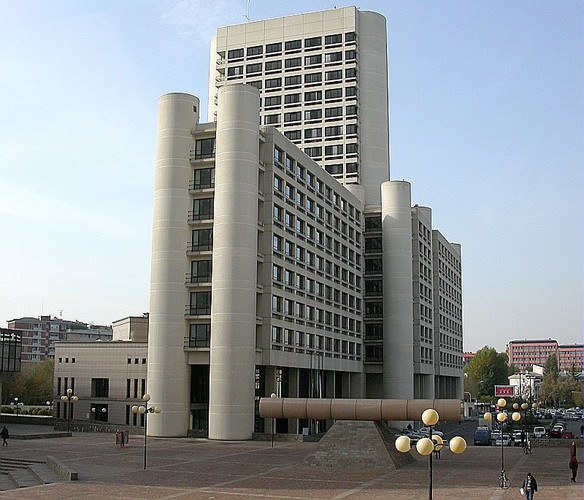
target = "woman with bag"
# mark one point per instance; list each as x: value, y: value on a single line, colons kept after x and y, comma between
x: 529, y: 486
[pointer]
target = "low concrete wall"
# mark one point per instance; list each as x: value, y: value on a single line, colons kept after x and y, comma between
x: 7, y: 418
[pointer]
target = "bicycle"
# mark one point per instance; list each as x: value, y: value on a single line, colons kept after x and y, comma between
x: 504, y: 481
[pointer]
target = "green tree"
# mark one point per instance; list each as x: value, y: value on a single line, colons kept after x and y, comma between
x: 33, y: 385
x: 487, y: 369
x: 550, y: 386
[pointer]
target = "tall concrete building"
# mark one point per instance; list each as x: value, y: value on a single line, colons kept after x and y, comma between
x: 323, y: 82
x: 284, y: 260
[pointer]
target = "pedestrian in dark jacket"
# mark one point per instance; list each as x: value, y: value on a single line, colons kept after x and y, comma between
x: 573, y: 461
x: 4, y: 434
x: 529, y: 486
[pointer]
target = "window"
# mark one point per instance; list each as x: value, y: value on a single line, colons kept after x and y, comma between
x: 352, y: 129
x: 337, y: 130
x: 273, y: 100
x: 313, y: 152
x: 293, y: 45
x: 272, y: 83
x: 204, y: 178
x: 276, y: 272
x: 312, y: 96
x: 334, y: 169
x: 255, y: 51
x: 100, y: 387
x: 204, y: 148
x: 203, y: 209
x: 272, y: 119
x: 333, y: 94
x: 253, y: 68
x: 257, y: 85
x: 234, y: 54
x: 293, y: 135
x: 200, y: 335
x: 278, y: 183
x: 278, y: 155
x: 313, y: 114
x: 296, y: 116
x: 200, y: 303
x: 300, y: 171
x: 289, y: 249
x: 351, y: 110
x: 351, y: 91
x: 312, y: 133
x: 290, y: 81
x: 273, y: 47
x: 295, y: 62
x: 291, y: 98
x: 289, y: 220
x: 278, y: 213
x: 273, y: 65
x: 332, y: 39
x: 202, y: 239
x: 333, y: 112
x: 333, y: 75
x: 313, y: 78
x: 235, y: 71
x: 200, y: 271
x: 289, y: 191
x: 277, y: 243
x: 311, y: 60
x: 351, y: 168
x: 350, y: 37
x: 350, y: 55
x: 352, y: 148
x: 351, y: 73
x: 315, y: 41
x: 333, y: 57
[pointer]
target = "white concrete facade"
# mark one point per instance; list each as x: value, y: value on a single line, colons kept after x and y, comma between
x: 323, y: 81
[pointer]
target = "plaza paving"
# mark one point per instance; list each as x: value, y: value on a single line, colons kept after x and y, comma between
x: 202, y: 469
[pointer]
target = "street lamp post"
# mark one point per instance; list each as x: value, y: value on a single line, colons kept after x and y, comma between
x: 69, y: 398
x: 273, y: 395
x: 427, y: 445
x: 17, y: 406
x: 504, y: 482
x: 145, y: 410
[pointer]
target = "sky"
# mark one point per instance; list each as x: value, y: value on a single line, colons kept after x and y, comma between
x: 486, y: 102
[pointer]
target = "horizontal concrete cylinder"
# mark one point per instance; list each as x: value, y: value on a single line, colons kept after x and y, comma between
x: 359, y: 409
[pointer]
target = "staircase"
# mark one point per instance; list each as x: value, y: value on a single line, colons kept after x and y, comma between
x: 18, y: 473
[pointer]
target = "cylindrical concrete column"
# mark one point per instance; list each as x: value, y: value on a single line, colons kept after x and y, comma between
x: 235, y: 232
x: 373, y: 104
x: 168, y: 370
x: 398, y: 357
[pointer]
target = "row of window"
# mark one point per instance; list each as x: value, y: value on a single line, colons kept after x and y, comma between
x: 335, y: 113
x: 296, y: 338
x: 309, y: 97
x: 282, y: 306
x: 296, y: 80
x: 315, y: 184
x: 294, y: 62
x: 308, y: 43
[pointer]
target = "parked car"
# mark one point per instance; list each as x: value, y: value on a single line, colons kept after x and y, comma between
x: 568, y: 435
x: 556, y: 431
x: 506, y: 440
x: 539, y: 432
x: 518, y: 437
x: 482, y: 436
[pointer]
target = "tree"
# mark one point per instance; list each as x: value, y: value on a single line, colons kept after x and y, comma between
x: 33, y: 385
x: 487, y: 369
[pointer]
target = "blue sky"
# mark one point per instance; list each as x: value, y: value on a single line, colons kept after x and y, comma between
x: 486, y: 123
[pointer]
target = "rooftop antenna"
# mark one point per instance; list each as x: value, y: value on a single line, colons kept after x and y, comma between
x: 247, y: 11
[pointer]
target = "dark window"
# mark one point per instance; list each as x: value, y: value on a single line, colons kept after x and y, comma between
x: 313, y: 78
x: 373, y: 266
x: 313, y: 152
x: 293, y: 45
x: 351, y: 73
x: 202, y: 239
x: 200, y: 303
x: 200, y: 335
x: 312, y: 96
x: 273, y: 101
x: 332, y: 39
x: 334, y: 150
x: 273, y: 65
x: 204, y: 178
x: 312, y: 60
x: 255, y: 51
x: 350, y: 55
x: 351, y: 91
x: 293, y: 63
x: 312, y: 133
x: 253, y: 68
x: 333, y: 75
x: 293, y: 135
x: 200, y: 271
x: 351, y: 110
x: 333, y: 57
x: 351, y: 148
x: 291, y: 98
x: 202, y: 209
x: 333, y: 112
x: 234, y: 54
x: 271, y: 119
x: 333, y: 93
x: 273, y: 47
x: 100, y: 387
x: 235, y: 71
x: 272, y: 83
x: 333, y: 131
x: 290, y: 81
x: 204, y: 148
x: 351, y: 129
x: 373, y: 223
x: 350, y: 37
x: 334, y: 169
x: 292, y: 117
x: 315, y: 41
x: 313, y: 114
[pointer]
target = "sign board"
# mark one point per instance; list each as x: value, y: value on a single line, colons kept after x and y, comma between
x: 10, y: 347
x: 504, y: 391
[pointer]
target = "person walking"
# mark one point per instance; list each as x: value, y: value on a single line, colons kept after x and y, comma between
x: 4, y: 434
x: 573, y: 461
x: 529, y: 486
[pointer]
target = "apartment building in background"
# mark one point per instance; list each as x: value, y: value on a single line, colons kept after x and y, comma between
x: 525, y: 353
x: 40, y: 334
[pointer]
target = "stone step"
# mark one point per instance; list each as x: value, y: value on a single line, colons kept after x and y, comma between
x: 24, y: 478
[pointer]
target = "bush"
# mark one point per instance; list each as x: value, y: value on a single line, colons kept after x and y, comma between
x: 7, y: 409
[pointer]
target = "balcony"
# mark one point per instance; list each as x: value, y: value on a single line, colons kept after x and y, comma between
x: 200, y: 186
x: 197, y: 310
x: 198, y: 217
x: 191, y: 279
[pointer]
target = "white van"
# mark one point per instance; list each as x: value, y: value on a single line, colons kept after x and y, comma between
x: 539, y: 432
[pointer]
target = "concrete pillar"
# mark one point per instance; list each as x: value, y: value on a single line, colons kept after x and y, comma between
x: 398, y: 358
x: 168, y: 369
x: 234, y: 282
